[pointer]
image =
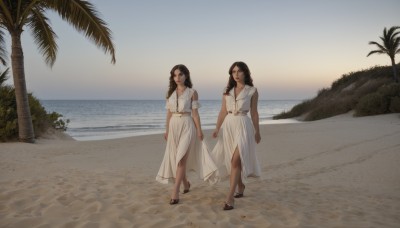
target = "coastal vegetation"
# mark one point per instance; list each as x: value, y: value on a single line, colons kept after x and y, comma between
x: 19, y: 15
x: 367, y: 92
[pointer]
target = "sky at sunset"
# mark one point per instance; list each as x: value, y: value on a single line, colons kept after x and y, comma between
x: 293, y: 48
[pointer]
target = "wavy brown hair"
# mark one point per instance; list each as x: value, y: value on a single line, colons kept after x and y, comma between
x: 247, y: 76
x: 172, y: 83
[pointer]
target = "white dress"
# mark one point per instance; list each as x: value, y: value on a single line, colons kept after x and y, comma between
x: 237, y: 131
x: 182, y: 138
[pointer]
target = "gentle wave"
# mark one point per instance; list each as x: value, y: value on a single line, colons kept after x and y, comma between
x: 117, y: 128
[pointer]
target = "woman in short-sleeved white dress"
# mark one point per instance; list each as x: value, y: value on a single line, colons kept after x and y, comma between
x: 184, y: 136
x: 234, y: 153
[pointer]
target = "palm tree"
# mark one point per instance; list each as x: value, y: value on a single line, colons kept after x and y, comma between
x: 17, y: 14
x: 390, y: 46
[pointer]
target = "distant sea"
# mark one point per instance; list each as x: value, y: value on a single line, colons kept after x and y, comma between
x: 107, y: 119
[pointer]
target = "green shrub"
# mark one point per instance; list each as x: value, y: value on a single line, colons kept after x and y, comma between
x: 57, y: 121
x: 371, y: 104
x: 370, y: 86
x: 384, y: 100
x: 9, y: 118
x: 394, y: 104
x: 329, y: 108
x: 390, y: 90
x: 322, y: 92
x: 346, y: 79
x: 39, y: 116
x: 297, y: 110
x: 8, y: 114
x: 376, y: 72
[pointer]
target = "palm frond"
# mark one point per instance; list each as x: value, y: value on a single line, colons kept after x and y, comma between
x: 396, y: 43
x: 3, y: 50
x: 43, y: 35
x: 377, y: 44
x: 26, y: 9
x: 385, y: 42
x: 392, y: 30
x: 384, y: 32
x: 395, y: 34
x: 389, y: 38
x: 84, y: 18
x: 393, y: 41
x: 377, y: 52
x: 4, y: 76
x: 7, y: 19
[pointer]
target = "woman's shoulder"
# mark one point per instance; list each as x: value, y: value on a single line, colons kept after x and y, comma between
x: 192, y: 91
x: 252, y: 89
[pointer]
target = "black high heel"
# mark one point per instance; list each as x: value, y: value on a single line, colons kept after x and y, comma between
x: 173, y: 201
x: 228, y: 206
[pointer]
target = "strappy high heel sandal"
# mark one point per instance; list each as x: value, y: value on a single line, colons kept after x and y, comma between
x: 173, y: 201
x: 238, y: 194
x: 229, y: 206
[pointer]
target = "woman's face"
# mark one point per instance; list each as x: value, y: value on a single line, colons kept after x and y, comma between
x: 238, y: 74
x: 179, y: 77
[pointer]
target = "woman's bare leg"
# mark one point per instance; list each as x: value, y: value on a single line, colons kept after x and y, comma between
x: 180, y: 175
x: 236, y: 169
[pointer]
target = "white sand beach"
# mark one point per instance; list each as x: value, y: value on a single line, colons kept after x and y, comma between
x: 337, y: 172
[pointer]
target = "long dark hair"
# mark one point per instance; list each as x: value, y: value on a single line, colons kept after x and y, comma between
x: 172, y: 83
x: 247, y: 76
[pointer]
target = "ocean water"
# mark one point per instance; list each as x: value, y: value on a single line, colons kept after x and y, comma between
x: 107, y: 119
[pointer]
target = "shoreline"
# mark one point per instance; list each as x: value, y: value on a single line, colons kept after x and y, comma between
x: 337, y: 172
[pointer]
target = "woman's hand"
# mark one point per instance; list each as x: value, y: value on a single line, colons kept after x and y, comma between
x: 258, y: 137
x: 215, y: 133
x: 166, y: 136
x: 200, y: 135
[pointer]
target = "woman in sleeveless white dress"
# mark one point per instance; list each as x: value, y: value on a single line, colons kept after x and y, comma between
x: 234, y: 152
x: 185, y: 149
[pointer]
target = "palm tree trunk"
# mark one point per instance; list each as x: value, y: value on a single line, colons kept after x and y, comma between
x: 25, y: 126
x: 396, y: 78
